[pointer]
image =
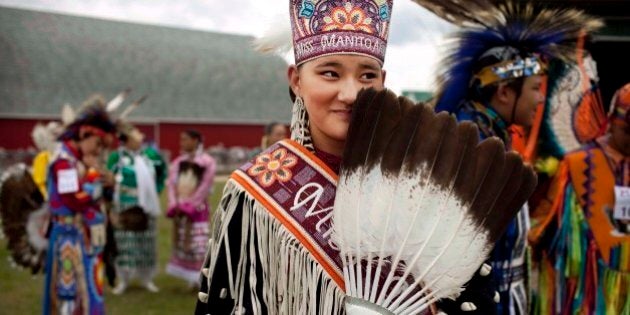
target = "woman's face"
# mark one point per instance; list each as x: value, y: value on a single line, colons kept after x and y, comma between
x: 329, y: 86
x: 187, y: 143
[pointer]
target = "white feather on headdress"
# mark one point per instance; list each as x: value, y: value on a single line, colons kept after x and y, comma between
x: 132, y: 107
x: 115, y: 103
x: 68, y: 114
x: 278, y: 38
x: 45, y: 136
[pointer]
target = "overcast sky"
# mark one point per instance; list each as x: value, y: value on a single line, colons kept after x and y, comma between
x: 416, y: 36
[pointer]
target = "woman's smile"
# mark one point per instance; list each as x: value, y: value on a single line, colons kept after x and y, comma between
x: 344, y: 113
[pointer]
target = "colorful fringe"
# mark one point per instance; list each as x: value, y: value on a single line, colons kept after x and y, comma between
x: 573, y: 279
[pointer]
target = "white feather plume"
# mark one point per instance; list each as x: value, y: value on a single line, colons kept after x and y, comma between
x: 45, y: 136
x: 278, y: 37
x: 68, y: 114
x: 115, y: 103
x: 132, y: 107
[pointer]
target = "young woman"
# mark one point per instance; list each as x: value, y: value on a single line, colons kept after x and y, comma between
x: 74, y: 266
x: 189, y: 185
x: 271, y: 250
x: 140, y: 174
x: 270, y: 254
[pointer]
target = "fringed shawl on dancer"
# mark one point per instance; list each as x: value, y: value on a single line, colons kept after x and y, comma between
x: 271, y: 251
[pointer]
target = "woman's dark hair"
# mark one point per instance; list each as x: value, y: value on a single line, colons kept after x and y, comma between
x: 194, y: 134
x: 484, y: 95
x: 99, y: 120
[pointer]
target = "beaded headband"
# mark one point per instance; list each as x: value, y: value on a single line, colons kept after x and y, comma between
x: 326, y: 27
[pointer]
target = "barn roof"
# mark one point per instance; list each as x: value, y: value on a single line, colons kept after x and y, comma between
x: 49, y: 59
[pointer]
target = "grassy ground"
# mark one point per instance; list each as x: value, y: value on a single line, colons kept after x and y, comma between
x: 21, y: 293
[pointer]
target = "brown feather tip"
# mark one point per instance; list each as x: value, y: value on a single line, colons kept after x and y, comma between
x: 401, y: 137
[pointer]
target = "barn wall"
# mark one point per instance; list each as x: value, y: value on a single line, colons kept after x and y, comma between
x: 16, y: 133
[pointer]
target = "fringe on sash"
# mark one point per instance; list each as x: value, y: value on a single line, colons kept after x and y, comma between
x: 293, y: 281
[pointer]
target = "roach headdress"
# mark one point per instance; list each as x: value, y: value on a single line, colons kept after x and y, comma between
x: 500, y: 42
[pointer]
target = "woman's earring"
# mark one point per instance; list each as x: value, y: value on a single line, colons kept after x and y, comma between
x: 300, y: 131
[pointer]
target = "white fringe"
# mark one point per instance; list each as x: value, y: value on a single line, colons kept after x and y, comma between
x: 291, y: 276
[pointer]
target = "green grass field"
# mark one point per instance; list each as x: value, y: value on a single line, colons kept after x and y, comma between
x: 21, y: 293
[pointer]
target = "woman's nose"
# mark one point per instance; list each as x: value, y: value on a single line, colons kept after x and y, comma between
x: 348, y: 91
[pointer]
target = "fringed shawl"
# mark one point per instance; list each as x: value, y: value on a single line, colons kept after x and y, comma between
x: 266, y: 260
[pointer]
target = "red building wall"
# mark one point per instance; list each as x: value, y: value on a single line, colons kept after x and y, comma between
x: 16, y: 133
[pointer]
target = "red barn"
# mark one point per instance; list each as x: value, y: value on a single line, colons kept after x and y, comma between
x: 212, y: 82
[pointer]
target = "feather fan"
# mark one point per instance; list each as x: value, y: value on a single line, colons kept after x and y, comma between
x: 419, y: 205
x: 24, y: 218
x: 527, y: 27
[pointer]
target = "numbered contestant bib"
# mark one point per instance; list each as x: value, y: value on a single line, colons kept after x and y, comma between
x: 67, y: 181
x: 622, y: 203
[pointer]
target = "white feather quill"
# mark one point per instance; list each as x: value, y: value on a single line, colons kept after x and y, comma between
x: 67, y: 114
x: 115, y: 103
x: 278, y: 37
x: 132, y: 107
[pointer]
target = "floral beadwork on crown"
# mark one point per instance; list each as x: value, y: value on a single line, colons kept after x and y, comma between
x: 323, y: 27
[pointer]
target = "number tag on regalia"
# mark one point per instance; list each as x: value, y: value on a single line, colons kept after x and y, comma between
x: 67, y: 181
x: 622, y: 203
x: 97, y: 234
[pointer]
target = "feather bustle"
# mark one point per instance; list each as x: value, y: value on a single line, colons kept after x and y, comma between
x: 19, y: 200
x: 530, y: 28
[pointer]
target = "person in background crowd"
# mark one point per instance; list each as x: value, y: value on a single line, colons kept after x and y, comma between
x: 493, y: 77
x: 140, y: 174
x: 189, y: 184
x: 74, y: 265
x: 583, y: 235
x: 274, y: 132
